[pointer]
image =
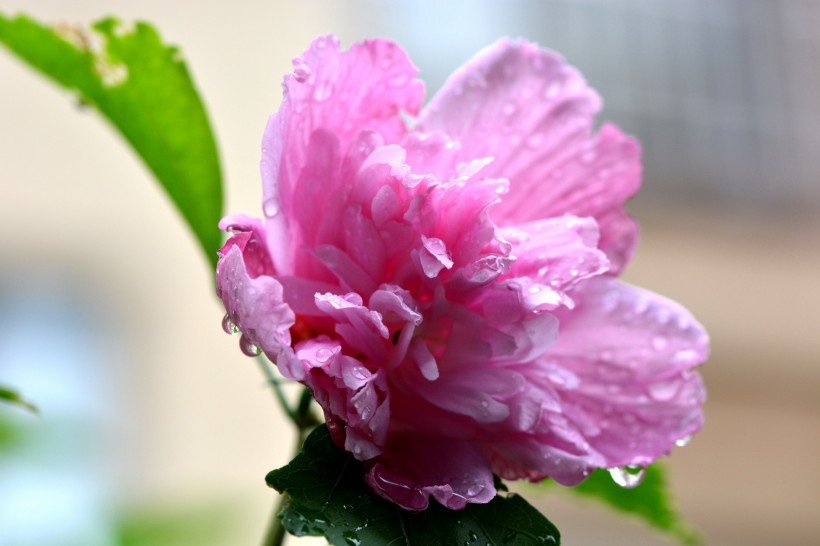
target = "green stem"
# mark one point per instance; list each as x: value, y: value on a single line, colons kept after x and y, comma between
x: 276, y: 531
x: 305, y: 421
x: 276, y: 383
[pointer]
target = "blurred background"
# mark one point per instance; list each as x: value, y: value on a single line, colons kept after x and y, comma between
x: 153, y: 423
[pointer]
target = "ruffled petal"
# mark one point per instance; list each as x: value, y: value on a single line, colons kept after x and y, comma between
x: 447, y: 293
x: 257, y: 307
x: 417, y: 467
x: 341, y: 94
x: 533, y: 113
x: 360, y: 328
x: 633, y: 353
x: 355, y: 400
x: 249, y: 236
x: 557, y: 252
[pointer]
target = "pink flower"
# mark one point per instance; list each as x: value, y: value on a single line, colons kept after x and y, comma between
x: 448, y: 292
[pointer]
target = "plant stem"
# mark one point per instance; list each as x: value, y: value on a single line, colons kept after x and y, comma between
x: 304, y: 421
x: 276, y: 383
x: 276, y: 531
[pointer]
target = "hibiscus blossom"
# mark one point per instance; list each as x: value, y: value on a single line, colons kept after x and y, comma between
x: 444, y: 279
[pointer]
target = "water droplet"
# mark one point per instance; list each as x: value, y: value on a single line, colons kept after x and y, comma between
x: 659, y: 343
x: 588, y: 156
x: 474, y: 490
x: 485, y: 404
x: 351, y: 539
x: 248, y: 347
x: 228, y: 326
x: 301, y: 72
x: 435, y: 245
x: 683, y: 442
x: 398, y: 81
x: 323, y: 91
x: 323, y: 355
x: 553, y: 90
x: 574, y: 272
x: 628, y: 476
x: 472, y: 538
x: 534, y: 141
x: 685, y: 356
x: 270, y: 207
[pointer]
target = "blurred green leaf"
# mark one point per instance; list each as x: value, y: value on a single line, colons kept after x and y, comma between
x: 12, y: 397
x: 9, y: 434
x: 651, y: 501
x: 328, y: 496
x: 209, y: 525
x: 144, y: 89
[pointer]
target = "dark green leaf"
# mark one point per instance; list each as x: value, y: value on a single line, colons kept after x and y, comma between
x: 651, y: 501
x: 145, y: 91
x: 12, y: 397
x: 327, y: 496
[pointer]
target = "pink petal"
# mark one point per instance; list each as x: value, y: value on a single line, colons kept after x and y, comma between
x: 633, y: 352
x: 557, y: 252
x: 361, y: 328
x: 257, y: 307
x: 416, y: 467
x: 353, y: 398
x: 250, y: 238
x: 533, y: 114
x: 341, y: 93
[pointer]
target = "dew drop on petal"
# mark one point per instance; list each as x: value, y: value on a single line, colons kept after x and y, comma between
x: 553, y: 90
x: 323, y: 355
x: 248, y: 347
x: 270, y: 207
x: 397, y: 81
x: 474, y: 490
x: 509, y: 109
x: 301, y: 72
x: 659, y: 343
x: 628, y: 476
x: 323, y: 91
x: 534, y: 141
x: 683, y: 442
x: 228, y: 326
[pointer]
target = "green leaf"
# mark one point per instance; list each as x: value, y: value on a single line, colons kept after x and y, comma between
x: 327, y: 496
x: 12, y: 397
x: 174, y: 525
x: 144, y: 89
x: 651, y: 501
